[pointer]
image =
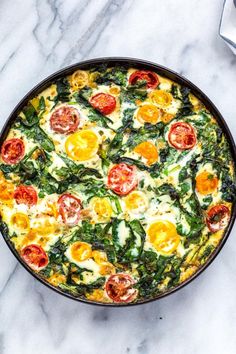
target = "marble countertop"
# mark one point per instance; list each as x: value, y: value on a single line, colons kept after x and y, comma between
x: 38, y: 37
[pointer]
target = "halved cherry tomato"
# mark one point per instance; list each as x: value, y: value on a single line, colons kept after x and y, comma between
x: 182, y: 136
x: 119, y: 288
x: 34, y: 256
x: 12, y: 151
x: 82, y: 145
x: 6, y: 191
x: 20, y: 221
x: 163, y: 235
x: 104, y: 103
x: 25, y: 195
x: 122, y: 178
x: 56, y: 279
x: 96, y: 295
x: 161, y: 98
x: 79, y: 79
x: 65, y: 120
x: 206, y: 183
x: 218, y: 217
x: 69, y: 208
x: 102, y: 209
x: 99, y: 257
x: 107, y: 269
x: 80, y: 251
x: 136, y: 202
x: 148, y: 113
x: 150, y: 77
x: 147, y: 150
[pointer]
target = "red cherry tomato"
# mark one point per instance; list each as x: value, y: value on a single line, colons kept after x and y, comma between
x: 119, y: 288
x: 182, y: 136
x: 25, y: 195
x: 65, y: 120
x: 12, y: 151
x: 69, y: 209
x: 218, y: 217
x: 149, y: 76
x: 34, y: 256
x: 104, y: 103
x: 122, y: 178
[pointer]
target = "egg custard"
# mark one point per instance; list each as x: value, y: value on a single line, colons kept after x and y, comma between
x: 116, y: 184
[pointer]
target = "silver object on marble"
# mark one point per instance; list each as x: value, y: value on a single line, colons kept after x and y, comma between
x: 227, y: 28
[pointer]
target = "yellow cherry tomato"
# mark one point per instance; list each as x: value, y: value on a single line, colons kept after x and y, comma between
x: 82, y: 145
x: 148, y: 113
x: 107, y: 269
x: 79, y: 79
x: 6, y: 191
x: 206, y: 183
x: 56, y: 279
x: 163, y: 235
x: 136, y: 201
x: 161, y: 98
x: 92, y: 79
x: 99, y: 257
x: 96, y: 295
x: 167, y: 117
x: 20, y: 221
x: 80, y: 251
x: 102, y: 208
x: 115, y: 90
x: 147, y: 150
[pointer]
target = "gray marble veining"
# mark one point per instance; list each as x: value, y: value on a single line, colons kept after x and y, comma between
x: 38, y: 37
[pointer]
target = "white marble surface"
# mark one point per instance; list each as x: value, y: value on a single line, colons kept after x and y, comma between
x: 38, y: 37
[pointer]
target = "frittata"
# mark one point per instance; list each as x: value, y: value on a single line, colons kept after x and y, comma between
x: 116, y: 184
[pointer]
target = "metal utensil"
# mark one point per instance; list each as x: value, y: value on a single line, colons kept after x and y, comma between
x: 227, y: 29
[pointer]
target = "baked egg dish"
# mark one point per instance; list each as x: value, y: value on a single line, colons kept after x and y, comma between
x: 116, y: 184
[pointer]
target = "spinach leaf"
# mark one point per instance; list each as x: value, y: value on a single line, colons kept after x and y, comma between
x: 206, y: 253
x: 194, y: 218
x: 228, y: 186
x: 42, y: 104
x: 135, y: 246
x: 130, y: 161
x: 186, y: 107
x: 151, y: 268
x: 207, y: 202
x: 148, y: 131
x: 182, y: 93
x: 132, y: 93
x: 82, y: 289
x: 127, y: 118
x: 63, y: 90
x: 36, y: 133
x: 115, y: 147
x: 4, y: 229
x: 116, y: 75
x: 30, y: 116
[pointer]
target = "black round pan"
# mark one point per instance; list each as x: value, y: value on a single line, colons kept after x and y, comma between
x: 141, y: 64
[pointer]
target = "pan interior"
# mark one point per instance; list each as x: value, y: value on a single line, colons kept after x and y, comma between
x: 117, y: 181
